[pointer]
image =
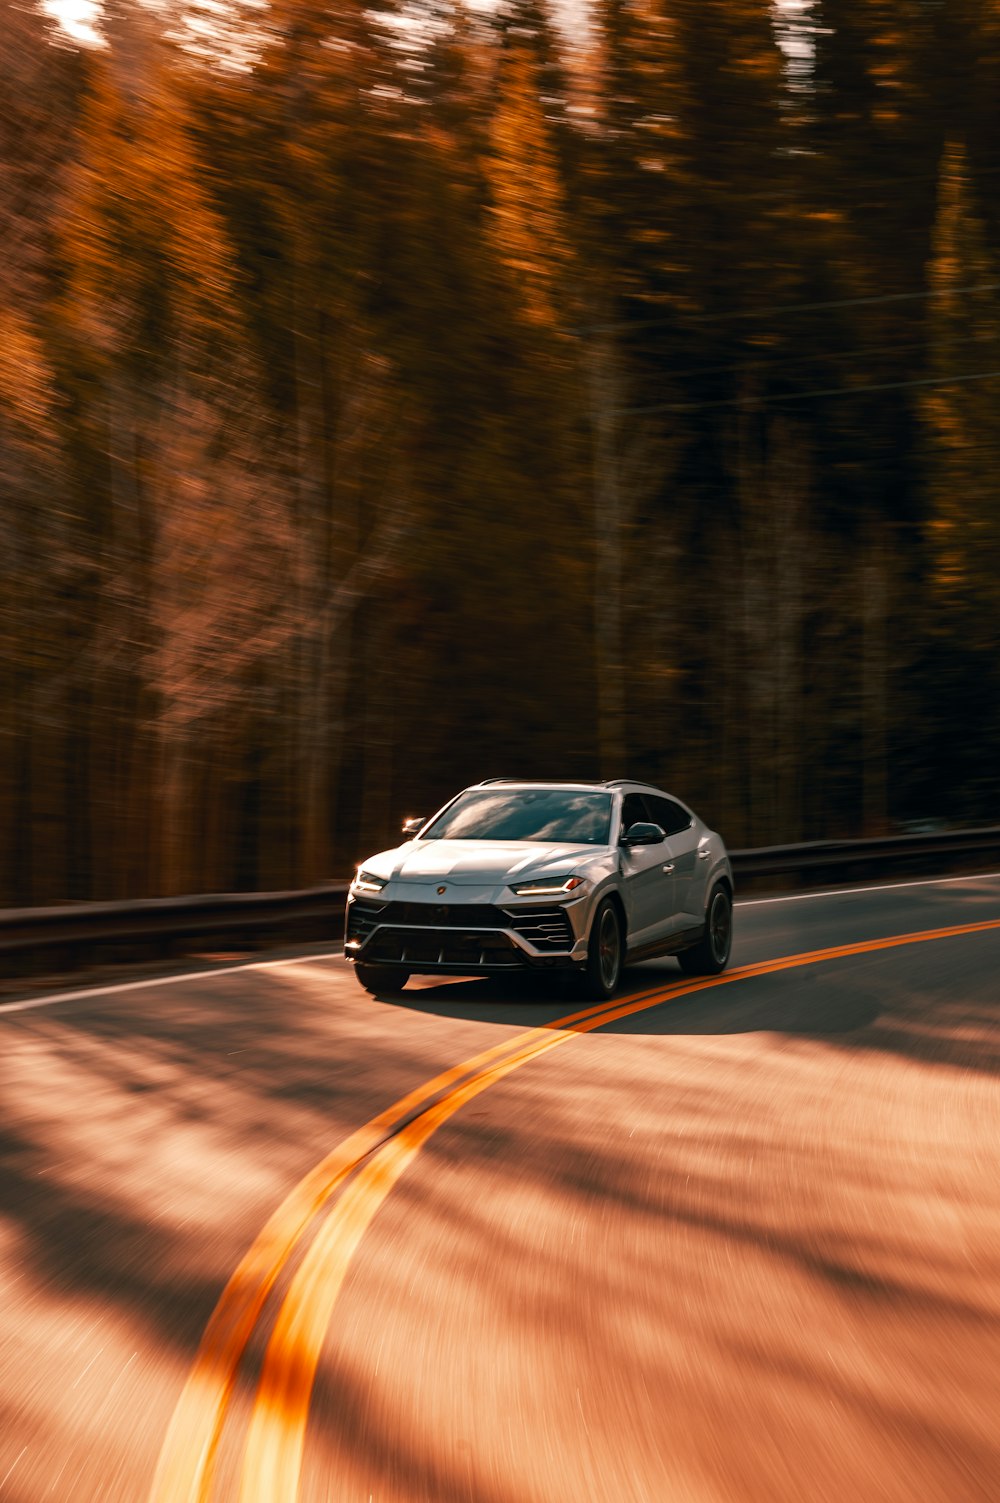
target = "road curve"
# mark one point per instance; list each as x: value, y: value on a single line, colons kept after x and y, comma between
x: 740, y: 1243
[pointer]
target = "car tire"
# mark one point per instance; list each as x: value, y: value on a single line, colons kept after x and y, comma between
x: 711, y: 954
x: 381, y: 980
x: 605, y: 955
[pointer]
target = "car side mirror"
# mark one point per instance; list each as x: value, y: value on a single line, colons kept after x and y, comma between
x: 411, y: 826
x: 643, y: 834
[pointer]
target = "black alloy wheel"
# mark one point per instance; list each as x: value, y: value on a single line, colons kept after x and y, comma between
x: 603, y: 970
x: 711, y: 954
x: 381, y: 980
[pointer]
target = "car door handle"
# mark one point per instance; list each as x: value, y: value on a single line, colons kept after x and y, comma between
x: 704, y: 855
x: 669, y: 866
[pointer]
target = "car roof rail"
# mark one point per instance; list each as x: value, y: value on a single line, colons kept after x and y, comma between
x: 554, y: 782
x: 631, y: 783
x: 532, y: 782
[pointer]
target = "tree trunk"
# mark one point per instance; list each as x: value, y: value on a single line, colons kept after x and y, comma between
x: 376, y: 823
x: 605, y: 402
x: 875, y: 679
x: 314, y: 788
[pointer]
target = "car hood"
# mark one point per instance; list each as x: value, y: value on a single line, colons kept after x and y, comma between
x: 475, y: 862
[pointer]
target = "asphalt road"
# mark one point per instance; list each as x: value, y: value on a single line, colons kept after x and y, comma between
x: 736, y: 1243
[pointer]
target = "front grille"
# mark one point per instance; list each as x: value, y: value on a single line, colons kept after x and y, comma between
x: 443, y: 947
x: 545, y: 928
x: 445, y: 915
x: 468, y: 931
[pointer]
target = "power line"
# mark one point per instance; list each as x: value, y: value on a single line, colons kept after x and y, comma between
x: 763, y: 364
x: 803, y: 396
x: 969, y: 176
x: 780, y: 309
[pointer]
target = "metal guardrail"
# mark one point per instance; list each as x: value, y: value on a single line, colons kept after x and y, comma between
x: 228, y: 914
x: 317, y: 912
x: 823, y: 861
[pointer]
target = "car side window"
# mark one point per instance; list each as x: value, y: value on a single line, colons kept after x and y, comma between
x: 634, y: 811
x: 672, y: 817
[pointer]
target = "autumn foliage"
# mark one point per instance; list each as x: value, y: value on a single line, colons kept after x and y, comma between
x: 392, y: 398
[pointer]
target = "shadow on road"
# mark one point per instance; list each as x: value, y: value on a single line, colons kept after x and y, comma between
x: 920, y: 1002
x: 142, y: 1148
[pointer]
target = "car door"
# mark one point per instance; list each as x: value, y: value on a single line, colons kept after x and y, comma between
x: 648, y: 887
x: 682, y: 854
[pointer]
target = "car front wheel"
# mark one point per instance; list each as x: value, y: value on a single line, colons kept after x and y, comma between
x: 711, y: 954
x: 381, y: 980
x: 603, y: 970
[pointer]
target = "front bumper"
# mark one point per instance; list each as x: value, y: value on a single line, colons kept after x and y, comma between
x: 462, y: 938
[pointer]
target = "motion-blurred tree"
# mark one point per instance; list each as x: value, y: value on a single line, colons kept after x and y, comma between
x: 188, y: 529
x: 39, y: 564
x: 961, y: 417
x: 391, y: 396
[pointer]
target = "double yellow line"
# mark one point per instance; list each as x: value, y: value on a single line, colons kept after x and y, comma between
x: 372, y: 1159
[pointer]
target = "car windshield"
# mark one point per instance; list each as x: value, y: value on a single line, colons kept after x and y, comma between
x: 550, y: 814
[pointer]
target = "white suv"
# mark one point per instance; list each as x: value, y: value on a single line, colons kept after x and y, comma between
x: 511, y: 875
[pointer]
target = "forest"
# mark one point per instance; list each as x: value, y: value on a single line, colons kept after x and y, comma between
x: 394, y: 396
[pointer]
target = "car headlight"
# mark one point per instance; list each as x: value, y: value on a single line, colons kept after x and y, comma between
x: 546, y: 887
x: 368, y: 882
